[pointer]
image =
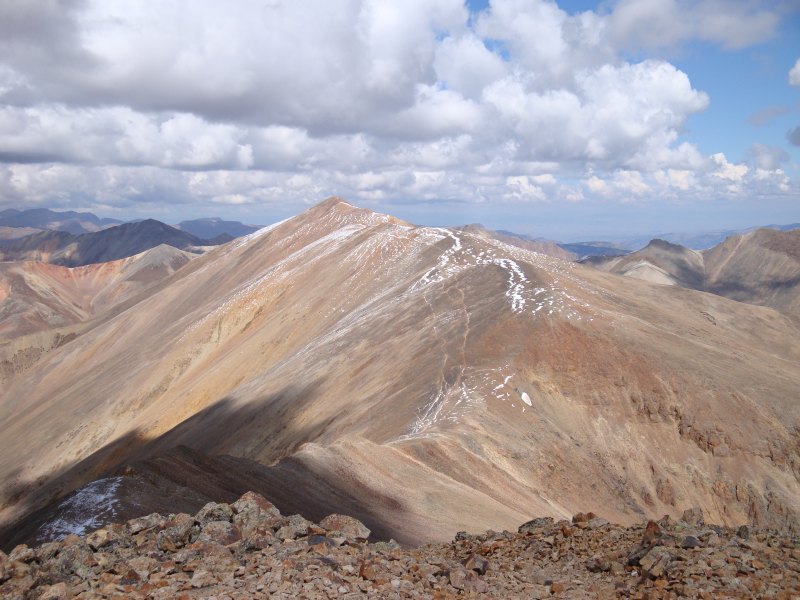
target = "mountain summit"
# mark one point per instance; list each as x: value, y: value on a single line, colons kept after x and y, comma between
x: 424, y: 380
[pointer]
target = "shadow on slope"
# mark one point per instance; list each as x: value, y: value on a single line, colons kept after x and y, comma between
x: 176, y: 472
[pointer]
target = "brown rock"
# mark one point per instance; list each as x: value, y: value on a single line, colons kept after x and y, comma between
x: 461, y: 579
x: 22, y: 553
x: 54, y: 592
x: 690, y: 542
x: 352, y: 529
x: 6, y: 570
x: 743, y: 532
x: 222, y: 532
x: 598, y: 565
x: 693, y: 517
x: 105, y: 536
x: 202, y: 578
x: 597, y: 523
x: 477, y: 563
x: 253, y: 511
x: 151, y: 521
x: 131, y: 577
x: 259, y: 539
x: 214, y: 511
x: 535, y: 524
x: 177, y: 533
x: 656, y: 562
x: 294, y: 527
x: 370, y: 571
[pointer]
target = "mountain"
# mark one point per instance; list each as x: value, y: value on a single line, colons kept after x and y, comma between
x: 35, y: 296
x: 211, y: 228
x: 114, y: 243
x: 761, y: 267
x: 695, y: 241
x: 424, y: 380
x: 585, y: 249
x: 13, y: 233
x: 659, y: 262
x: 521, y: 241
x: 43, y: 218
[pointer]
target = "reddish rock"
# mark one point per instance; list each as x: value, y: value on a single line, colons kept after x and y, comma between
x: 177, y: 533
x: 468, y: 581
x: 54, y: 592
x: 151, y: 521
x: 222, y: 532
x: 477, y: 563
x: 352, y: 529
x: 214, y: 511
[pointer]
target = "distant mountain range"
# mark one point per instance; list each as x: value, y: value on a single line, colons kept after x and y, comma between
x: 44, y: 218
x: 761, y: 267
x: 694, y: 241
x: 18, y: 224
x: 213, y: 228
x: 113, y: 243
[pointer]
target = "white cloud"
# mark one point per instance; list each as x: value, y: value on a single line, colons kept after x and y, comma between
x: 726, y: 170
x: 794, y: 74
x: 122, y: 103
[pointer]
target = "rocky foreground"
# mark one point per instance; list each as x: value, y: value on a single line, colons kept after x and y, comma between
x: 249, y: 550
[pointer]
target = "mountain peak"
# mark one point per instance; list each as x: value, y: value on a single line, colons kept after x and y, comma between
x: 665, y: 245
x: 334, y: 202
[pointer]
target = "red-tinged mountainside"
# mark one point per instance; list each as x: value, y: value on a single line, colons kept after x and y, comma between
x: 35, y: 296
x: 427, y: 380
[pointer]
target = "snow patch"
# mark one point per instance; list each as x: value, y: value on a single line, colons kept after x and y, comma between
x: 90, y: 507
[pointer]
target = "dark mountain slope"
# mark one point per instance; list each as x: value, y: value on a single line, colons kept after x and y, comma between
x: 209, y: 229
x: 114, y: 243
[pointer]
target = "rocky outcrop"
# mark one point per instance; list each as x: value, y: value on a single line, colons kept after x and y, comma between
x: 247, y: 549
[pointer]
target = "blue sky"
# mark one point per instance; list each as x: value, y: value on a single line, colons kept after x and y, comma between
x: 565, y: 120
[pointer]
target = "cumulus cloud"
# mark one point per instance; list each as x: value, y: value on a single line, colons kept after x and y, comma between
x: 120, y: 103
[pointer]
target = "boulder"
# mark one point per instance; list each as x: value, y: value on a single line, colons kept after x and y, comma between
x: 352, y: 529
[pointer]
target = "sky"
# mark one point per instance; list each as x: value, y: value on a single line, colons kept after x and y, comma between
x: 568, y: 120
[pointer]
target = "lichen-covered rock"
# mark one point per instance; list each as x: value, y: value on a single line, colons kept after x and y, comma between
x: 177, y: 532
x: 222, y: 532
x: 352, y: 529
x: 151, y: 521
x: 214, y: 511
x: 293, y: 527
x: 252, y: 511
